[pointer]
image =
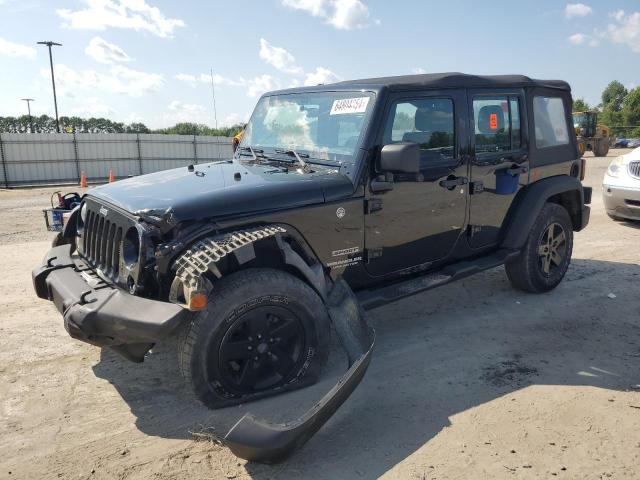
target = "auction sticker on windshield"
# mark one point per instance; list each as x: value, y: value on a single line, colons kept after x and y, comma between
x: 349, y: 105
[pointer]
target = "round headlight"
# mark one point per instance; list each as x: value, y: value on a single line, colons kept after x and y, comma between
x: 131, y: 247
x: 83, y: 212
x: 83, y: 217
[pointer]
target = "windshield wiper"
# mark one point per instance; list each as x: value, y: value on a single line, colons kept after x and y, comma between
x: 298, y: 156
x: 253, y: 152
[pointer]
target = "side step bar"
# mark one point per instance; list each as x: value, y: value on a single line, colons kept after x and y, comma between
x: 377, y: 297
x: 260, y: 441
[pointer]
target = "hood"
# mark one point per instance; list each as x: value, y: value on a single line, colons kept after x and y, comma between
x: 222, y: 189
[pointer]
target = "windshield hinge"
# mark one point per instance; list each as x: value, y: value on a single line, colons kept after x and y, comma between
x: 372, y: 205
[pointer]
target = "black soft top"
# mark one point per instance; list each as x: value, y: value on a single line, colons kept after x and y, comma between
x: 454, y: 80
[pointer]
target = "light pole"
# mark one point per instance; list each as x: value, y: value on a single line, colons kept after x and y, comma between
x: 29, y: 100
x: 53, y: 80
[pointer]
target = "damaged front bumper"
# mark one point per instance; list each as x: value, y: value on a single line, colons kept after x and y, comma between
x: 98, y: 313
x: 106, y: 316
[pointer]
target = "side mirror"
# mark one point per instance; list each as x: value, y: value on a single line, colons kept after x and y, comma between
x: 400, y: 157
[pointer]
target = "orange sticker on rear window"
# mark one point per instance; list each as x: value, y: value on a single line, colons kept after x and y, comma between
x: 493, y: 121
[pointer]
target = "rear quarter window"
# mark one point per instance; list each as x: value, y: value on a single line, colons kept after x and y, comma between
x: 550, y: 121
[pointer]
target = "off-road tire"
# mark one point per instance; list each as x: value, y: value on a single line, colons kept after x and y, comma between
x: 200, y: 342
x: 525, y: 272
x: 601, y: 147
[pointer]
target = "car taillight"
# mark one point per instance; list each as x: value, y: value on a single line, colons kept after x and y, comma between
x: 583, y: 168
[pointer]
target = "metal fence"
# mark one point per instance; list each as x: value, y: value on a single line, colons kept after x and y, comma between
x: 60, y: 158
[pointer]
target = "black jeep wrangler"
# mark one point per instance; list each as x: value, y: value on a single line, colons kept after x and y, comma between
x: 339, y: 198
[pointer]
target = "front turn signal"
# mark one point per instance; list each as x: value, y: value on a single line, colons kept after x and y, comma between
x: 198, y: 301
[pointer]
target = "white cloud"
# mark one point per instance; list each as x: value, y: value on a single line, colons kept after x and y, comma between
x: 342, y: 14
x: 104, y: 52
x: 625, y: 30
x: 130, y: 14
x: 178, y: 112
x: 418, y: 71
x: 234, y: 119
x: 16, y: 50
x: 92, y: 107
x: 278, y: 57
x: 260, y: 84
x: 582, y: 38
x: 577, y: 38
x: 193, y: 80
x: 320, y: 76
x: 118, y: 79
x: 187, y: 78
x: 350, y: 14
x: 313, y: 7
x: 577, y: 10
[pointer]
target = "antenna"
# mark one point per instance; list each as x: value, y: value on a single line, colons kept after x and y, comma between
x: 213, y: 94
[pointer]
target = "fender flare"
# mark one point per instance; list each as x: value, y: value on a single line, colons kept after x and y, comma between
x: 203, y: 254
x: 525, y: 210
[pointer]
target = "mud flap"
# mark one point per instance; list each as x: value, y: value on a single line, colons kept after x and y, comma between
x: 260, y: 441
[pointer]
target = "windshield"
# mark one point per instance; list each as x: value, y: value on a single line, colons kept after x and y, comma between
x: 323, y: 125
x: 579, y: 118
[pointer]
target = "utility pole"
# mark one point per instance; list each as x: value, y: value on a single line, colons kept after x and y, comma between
x: 29, y: 100
x: 53, y: 80
x: 213, y: 93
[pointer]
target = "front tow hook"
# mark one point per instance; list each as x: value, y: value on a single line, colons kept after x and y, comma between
x: 260, y: 441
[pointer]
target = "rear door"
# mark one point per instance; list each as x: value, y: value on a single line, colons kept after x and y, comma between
x: 420, y: 218
x: 499, y: 161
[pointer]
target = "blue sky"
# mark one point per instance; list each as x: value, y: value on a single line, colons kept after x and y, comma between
x: 149, y: 60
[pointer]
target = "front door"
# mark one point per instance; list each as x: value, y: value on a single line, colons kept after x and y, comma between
x: 416, y: 219
x: 499, y: 166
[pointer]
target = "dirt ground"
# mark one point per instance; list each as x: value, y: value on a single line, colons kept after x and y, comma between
x: 472, y: 380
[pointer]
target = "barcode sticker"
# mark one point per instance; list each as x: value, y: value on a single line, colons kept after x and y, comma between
x: 349, y: 105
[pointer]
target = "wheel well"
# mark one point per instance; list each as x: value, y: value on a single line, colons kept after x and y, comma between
x: 281, y: 252
x: 571, y: 202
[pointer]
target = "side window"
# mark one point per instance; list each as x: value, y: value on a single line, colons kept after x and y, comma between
x: 497, y: 124
x: 550, y: 120
x: 426, y: 121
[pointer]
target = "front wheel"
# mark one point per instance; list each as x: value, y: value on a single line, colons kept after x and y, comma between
x: 263, y: 331
x: 543, y: 262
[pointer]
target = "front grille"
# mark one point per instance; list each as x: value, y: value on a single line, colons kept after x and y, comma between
x: 634, y: 169
x: 101, y: 238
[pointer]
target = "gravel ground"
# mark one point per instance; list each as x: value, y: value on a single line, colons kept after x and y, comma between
x: 471, y: 380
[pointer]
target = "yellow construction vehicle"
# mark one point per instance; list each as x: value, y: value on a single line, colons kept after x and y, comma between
x: 591, y: 135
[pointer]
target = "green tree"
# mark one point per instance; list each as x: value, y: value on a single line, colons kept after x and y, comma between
x: 631, y: 111
x: 613, y: 96
x: 579, y: 105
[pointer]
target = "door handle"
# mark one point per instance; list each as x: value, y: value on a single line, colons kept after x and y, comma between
x: 452, y: 182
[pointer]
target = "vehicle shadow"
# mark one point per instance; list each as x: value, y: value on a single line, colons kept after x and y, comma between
x: 437, y: 354
x: 629, y: 223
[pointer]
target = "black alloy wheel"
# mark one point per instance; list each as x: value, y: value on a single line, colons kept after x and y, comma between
x: 264, y: 331
x: 262, y: 349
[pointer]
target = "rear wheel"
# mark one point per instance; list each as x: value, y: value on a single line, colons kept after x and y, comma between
x: 263, y: 331
x: 543, y: 262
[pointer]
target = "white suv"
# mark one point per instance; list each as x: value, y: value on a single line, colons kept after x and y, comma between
x: 621, y: 187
